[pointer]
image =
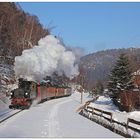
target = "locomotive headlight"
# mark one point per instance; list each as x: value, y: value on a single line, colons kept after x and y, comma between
x: 26, y: 93
x: 11, y: 93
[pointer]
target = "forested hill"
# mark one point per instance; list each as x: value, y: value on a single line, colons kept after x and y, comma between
x: 18, y: 30
x: 98, y: 65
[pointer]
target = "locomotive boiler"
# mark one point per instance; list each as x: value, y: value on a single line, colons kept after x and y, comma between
x: 29, y: 91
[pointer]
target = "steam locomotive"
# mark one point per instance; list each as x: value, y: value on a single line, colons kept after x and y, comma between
x: 29, y: 91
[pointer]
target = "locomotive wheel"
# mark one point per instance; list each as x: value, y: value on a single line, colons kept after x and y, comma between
x: 10, y: 106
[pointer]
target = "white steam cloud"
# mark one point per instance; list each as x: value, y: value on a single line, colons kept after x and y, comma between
x: 43, y: 60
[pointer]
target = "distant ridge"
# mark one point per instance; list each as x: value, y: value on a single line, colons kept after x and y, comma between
x: 97, y: 65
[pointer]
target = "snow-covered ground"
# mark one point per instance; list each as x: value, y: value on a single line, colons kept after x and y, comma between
x: 4, y: 105
x: 4, y: 100
x: 54, y: 118
x: 7, y: 81
x: 105, y: 103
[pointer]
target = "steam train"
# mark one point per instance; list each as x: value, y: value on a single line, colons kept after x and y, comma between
x: 29, y: 91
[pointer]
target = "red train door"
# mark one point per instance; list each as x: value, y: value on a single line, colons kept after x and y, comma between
x: 38, y: 92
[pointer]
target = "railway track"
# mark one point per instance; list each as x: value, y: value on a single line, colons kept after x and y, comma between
x: 5, y: 116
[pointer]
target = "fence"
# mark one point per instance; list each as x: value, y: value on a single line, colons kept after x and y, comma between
x: 129, y: 120
x: 101, y: 113
x: 90, y: 113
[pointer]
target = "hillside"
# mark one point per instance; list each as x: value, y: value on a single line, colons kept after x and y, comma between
x: 18, y: 31
x: 98, y: 65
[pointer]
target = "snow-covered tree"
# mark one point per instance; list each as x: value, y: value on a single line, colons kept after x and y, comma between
x: 120, y: 77
x: 99, y: 88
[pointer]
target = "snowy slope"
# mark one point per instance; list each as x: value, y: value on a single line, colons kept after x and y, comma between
x: 7, y: 80
x: 105, y: 103
x: 54, y: 118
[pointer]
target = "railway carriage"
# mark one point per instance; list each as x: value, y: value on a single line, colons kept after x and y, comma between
x: 29, y: 91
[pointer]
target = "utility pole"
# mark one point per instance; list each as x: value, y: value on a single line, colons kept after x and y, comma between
x: 82, y: 96
x: 81, y: 88
x: 81, y: 92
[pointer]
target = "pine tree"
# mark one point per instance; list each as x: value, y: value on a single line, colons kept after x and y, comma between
x: 99, y: 88
x: 120, y: 77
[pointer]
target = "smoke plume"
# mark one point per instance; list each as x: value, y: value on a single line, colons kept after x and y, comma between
x: 44, y: 59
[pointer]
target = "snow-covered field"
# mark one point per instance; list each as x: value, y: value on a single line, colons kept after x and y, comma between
x: 105, y: 103
x: 54, y: 118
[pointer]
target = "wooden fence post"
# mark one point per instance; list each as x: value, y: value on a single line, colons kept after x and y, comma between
x: 81, y: 96
x: 92, y: 110
x: 101, y: 113
x: 127, y: 124
x: 111, y: 118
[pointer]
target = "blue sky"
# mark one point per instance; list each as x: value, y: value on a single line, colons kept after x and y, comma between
x: 93, y: 26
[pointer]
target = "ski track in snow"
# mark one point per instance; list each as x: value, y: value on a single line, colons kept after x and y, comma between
x: 53, y: 122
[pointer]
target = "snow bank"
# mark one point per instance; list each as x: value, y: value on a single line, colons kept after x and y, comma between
x: 4, y: 103
x: 6, y: 79
x: 43, y: 60
x: 3, y: 106
x: 134, y: 115
x: 105, y: 103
